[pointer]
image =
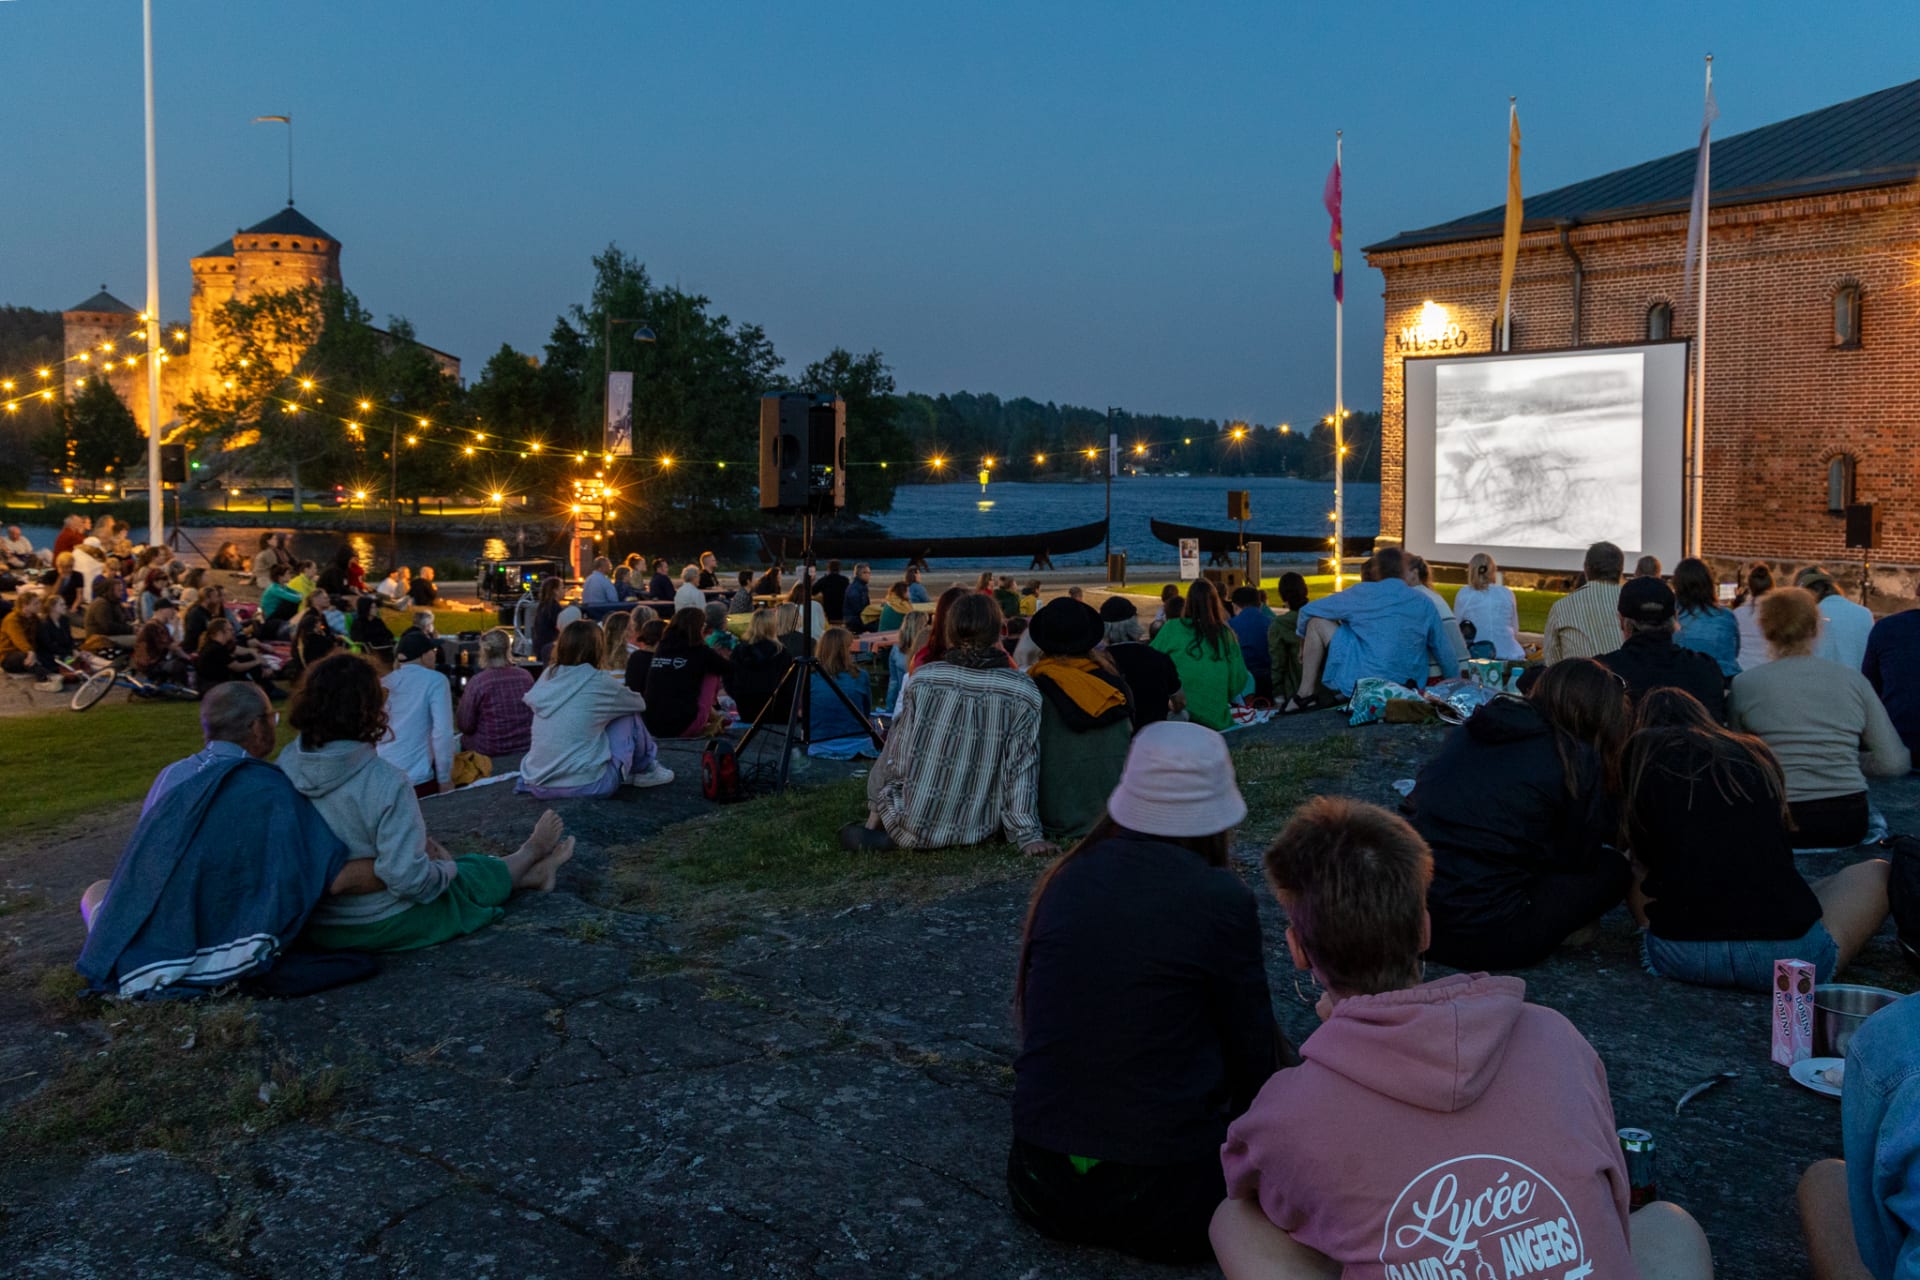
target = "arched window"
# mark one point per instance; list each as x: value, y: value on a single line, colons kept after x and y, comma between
x: 1846, y: 315
x: 295, y: 245
x: 1659, y: 322
x: 1840, y: 470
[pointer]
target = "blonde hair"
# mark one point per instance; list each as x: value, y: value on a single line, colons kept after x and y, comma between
x: 836, y: 653
x: 614, y: 635
x: 1790, y: 621
x: 1481, y: 570
x: 496, y: 648
x: 786, y: 618
x: 913, y: 632
x: 760, y: 627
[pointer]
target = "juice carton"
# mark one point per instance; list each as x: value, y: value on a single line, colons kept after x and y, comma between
x: 1792, y: 1011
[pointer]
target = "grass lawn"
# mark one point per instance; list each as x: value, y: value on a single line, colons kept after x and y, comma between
x: 1533, y: 605
x: 130, y: 742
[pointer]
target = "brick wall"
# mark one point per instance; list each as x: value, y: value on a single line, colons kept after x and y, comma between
x: 1781, y: 400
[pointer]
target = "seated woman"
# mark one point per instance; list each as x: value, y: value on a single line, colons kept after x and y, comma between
x: 54, y: 648
x: 684, y: 682
x: 1086, y: 721
x: 426, y: 895
x: 546, y: 617
x: 1518, y: 809
x: 587, y: 739
x: 1207, y: 655
x: 741, y: 601
x: 1486, y: 606
x: 913, y: 634
x: 642, y: 639
x: 1704, y: 626
x: 1822, y: 721
x: 1706, y: 820
x: 229, y: 557
x: 786, y: 625
x: 492, y: 715
x: 313, y: 638
x: 614, y: 629
x: 20, y: 640
x: 832, y: 730
x: 153, y: 592
x: 895, y: 609
x: 768, y: 584
x: 758, y: 664
x: 1121, y: 1103
x: 1283, y: 639
x: 370, y: 631
x: 222, y: 658
x: 939, y: 631
x: 107, y: 623
x: 962, y: 762
x: 718, y: 636
x: 157, y: 654
x: 623, y: 588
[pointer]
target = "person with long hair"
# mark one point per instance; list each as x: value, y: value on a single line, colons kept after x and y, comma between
x: 1705, y: 626
x: 961, y: 764
x: 1746, y: 613
x: 369, y: 630
x: 426, y: 894
x: 613, y: 640
x: 1705, y: 816
x: 1086, y: 720
x: 1518, y: 807
x: 832, y: 731
x: 493, y: 716
x: 313, y: 638
x: 1207, y: 655
x: 1383, y: 629
x: 1283, y: 639
x: 588, y: 738
x: 786, y: 624
x: 895, y: 608
x: 20, y: 640
x: 801, y: 597
x: 913, y: 634
x: 228, y: 557
x: 685, y: 680
x: 1486, y: 605
x: 939, y: 629
x: 1144, y: 1019
x: 546, y: 616
x: 758, y: 663
x: 768, y: 583
x: 1823, y: 722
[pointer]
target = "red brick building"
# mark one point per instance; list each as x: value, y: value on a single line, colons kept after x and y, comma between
x: 1813, y: 333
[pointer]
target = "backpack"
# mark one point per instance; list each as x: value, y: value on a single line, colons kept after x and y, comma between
x: 720, y: 771
x: 1903, y: 890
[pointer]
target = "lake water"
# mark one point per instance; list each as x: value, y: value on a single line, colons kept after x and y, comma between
x: 1280, y: 506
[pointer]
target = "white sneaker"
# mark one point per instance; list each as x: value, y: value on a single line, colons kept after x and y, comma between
x: 54, y: 685
x: 655, y: 776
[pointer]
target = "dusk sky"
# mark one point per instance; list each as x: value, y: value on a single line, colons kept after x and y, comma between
x: 1096, y: 203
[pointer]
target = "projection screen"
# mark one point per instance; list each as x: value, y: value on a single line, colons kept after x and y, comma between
x: 1533, y: 457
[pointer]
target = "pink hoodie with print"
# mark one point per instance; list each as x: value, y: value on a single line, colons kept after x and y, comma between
x: 1450, y: 1131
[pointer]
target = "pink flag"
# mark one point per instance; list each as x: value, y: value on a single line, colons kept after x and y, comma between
x: 1331, y: 197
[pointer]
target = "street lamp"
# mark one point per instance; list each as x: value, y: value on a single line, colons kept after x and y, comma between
x: 1113, y: 447
x: 642, y: 334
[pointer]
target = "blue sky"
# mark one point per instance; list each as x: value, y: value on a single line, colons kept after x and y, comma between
x: 1099, y: 203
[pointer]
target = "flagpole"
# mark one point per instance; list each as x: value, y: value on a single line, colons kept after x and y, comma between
x: 1697, y: 490
x: 1339, y: 407
x: 156, y: 500
x: 1506, y: 312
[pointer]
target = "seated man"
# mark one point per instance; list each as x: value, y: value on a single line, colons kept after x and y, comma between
x: 156, y: 653
x: 1892, y: 667
x: 421, y: 590
x: 1581, y: 624
x: 962, y: 761
x: 1250, y: 621
x: 1649, y: 659
x: 598, y: 595
x: 1401, y: 1144
x: 660, y: 586
x: 1844, y: 626
x: 227, y: 862
x: 108, y: 625
x: 419, y: 739
x: 16, y: 550
x: 1862, y: 1214
x: 1383, y: 628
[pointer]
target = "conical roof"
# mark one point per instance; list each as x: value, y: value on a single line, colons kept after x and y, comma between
x: 222, y: 250
x: 105, y: 302
x: 288, y: 222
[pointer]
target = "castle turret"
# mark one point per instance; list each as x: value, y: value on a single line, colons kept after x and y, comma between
x: 287, y: 251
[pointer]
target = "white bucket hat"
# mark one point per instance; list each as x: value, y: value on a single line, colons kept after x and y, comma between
x: 1178, y: 782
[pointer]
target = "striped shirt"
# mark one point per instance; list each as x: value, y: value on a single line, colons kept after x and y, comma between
x: 962, y: 762
x: 1584, y: 624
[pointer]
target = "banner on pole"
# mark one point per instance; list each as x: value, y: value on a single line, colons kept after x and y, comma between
x: 1189, y: 559
x: 1330, y: 197
x: 619, y: 427
x: 1510, y: 234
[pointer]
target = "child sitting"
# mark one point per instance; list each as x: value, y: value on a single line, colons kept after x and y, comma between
x: 1429, y: 1121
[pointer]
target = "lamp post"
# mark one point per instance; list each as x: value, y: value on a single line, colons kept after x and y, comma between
x: 156, y: 509
x: 642, y: 334
x: 1113, y: 445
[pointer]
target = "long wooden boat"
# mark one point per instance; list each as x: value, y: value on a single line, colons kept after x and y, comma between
x: 1039, y: 548
x: 1221, y: 542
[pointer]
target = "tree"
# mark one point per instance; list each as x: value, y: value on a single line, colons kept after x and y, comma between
x: 102, y: 437
x: 866, y: 384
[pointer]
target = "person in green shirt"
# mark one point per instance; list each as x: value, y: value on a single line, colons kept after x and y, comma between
x: 1207, y: 655
x: 1007, y: 597
x: 1283, y: 639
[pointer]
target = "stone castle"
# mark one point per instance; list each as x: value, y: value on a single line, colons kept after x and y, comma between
x: 287, y: 251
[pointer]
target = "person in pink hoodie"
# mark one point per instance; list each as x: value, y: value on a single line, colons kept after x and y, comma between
x: 1441, y: 1130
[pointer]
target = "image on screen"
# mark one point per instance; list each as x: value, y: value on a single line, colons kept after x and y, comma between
x: 1540, y: 452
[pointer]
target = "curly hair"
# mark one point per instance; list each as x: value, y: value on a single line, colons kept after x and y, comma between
x: 339, y: 699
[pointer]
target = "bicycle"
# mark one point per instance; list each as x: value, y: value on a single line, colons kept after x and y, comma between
x: 118, y: 674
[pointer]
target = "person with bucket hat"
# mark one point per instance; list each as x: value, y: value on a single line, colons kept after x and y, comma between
x: 1145, y: 1021
x: 1648, y: 658
x: 1085, y: 717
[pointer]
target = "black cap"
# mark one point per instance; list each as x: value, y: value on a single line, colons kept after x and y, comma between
x: 415, y: 644
x: 1117, y: 609
x: 1646, y: 600
x: 1066, y: 626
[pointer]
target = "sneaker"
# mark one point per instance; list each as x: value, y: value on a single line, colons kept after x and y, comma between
x: 55, y: 685
x: 655, y: 775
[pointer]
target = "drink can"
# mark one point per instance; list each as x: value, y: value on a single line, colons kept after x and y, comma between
x: 1637, y: 1145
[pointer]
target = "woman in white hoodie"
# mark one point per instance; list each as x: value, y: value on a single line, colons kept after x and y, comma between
x: 588, y: 738
x: 425, y: 894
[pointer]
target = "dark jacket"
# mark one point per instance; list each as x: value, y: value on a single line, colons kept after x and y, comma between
x: 832, y: 591
x: 1081, y: 757
x: 546, y: 630
x: 855, y: 603
x: 1494, y: 806
x: 673, y: 687
x: 1150, y: 675
x: 757, y: 669
x: 1892, y: 667
x: 660, y: 587
x: 1148, y: 1023
x: 1651, y: 660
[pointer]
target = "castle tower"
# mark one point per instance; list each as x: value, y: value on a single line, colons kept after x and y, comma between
x: 89, y: 327
x: 287, y: 251
x: 213, y: 284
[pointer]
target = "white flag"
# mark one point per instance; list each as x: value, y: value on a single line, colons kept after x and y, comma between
x: 1697, y: 224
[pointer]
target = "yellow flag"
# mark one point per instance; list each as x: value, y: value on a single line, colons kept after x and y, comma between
x: 1510, y: 239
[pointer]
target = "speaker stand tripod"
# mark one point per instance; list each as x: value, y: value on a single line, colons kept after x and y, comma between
x: 799, y: 676
x: 176, y: 535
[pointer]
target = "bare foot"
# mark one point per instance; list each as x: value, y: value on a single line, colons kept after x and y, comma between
x: 546, y: 834
x: 540, y: 876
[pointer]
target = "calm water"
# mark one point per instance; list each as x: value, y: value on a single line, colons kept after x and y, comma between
x: 1280, y: 506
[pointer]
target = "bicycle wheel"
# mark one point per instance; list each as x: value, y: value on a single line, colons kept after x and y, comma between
x: 93, y: 688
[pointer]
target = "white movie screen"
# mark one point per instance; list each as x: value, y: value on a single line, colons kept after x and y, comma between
x: 1532, y: 458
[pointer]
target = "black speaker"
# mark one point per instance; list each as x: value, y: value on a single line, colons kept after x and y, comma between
x: 1239, y: 504
x: 803, y: 452
x: 1863, y: 525
x: 173, y: 464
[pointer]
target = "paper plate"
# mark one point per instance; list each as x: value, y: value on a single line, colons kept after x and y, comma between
x: 1804, y: 1074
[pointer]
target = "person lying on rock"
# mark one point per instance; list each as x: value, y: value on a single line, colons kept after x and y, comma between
x: 427, y: 895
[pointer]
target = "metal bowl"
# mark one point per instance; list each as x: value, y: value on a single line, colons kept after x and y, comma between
x: 1839, y: 1009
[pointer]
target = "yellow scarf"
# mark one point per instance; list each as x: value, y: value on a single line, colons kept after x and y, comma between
x: 1075, y: 678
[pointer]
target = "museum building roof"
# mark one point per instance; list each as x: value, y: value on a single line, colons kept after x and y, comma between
x: 1872, y: 141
